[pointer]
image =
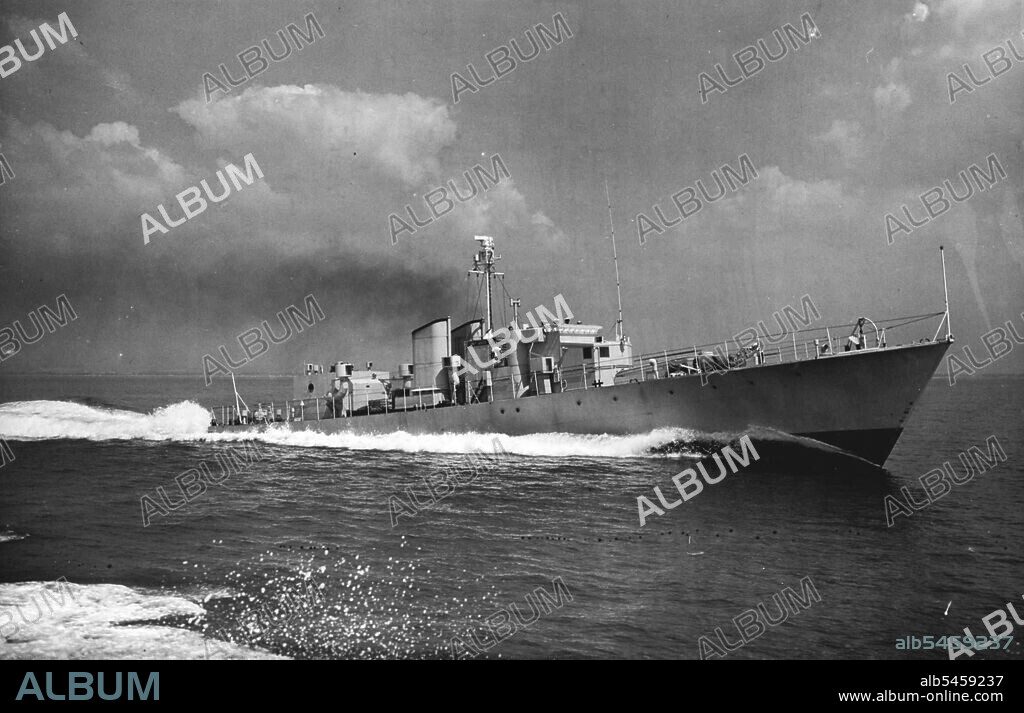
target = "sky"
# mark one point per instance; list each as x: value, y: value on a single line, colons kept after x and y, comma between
x: 844, y: 129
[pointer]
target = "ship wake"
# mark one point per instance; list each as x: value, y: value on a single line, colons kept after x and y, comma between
x: 51, y: 420
x: 188, y: 422
x: 559, y: 445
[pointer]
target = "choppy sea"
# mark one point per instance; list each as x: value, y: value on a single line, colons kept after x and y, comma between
x: 311, y: 546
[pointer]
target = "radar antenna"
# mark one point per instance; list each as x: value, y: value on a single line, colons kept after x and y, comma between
x: 483, y: 264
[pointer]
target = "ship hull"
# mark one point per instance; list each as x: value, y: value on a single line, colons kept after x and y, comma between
x: 858, y: 402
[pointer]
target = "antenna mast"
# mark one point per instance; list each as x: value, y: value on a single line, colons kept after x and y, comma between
x: 615, y: 259
x: 238, y: 397
x: 483, y: 264
x: 945, y: 294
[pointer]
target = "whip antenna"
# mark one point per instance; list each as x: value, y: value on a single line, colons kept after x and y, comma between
x: 615, y: 259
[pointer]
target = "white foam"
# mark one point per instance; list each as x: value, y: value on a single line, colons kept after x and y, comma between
x: 42, y: 420
x: 63, y: 620
x: 188, y: 421
x: 11, y: 536
x: 536, y: 444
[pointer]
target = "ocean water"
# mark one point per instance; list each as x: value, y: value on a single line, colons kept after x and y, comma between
x: 303, y: 550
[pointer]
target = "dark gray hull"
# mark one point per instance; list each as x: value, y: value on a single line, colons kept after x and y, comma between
x: 857, y: 401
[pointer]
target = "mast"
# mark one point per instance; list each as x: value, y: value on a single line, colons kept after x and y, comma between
x: 483, y: 264
x: 615, y: 259
x: 238, y: 409
x: 945, y: 295
x: 238, y: 397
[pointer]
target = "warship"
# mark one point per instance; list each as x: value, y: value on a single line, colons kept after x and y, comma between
x: 852, y: 392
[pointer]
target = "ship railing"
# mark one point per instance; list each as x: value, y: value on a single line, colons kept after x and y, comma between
x: 717, y: 357
x: 831, y: 341
x: 782, y: 347
x: 308, y: 409
x: 264, y: 412
x: 316, y: 408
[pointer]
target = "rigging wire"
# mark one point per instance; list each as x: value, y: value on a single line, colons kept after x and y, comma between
x: 504, y: 303
x: 476, y: 306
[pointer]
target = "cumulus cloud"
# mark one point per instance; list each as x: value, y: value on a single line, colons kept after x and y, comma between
x: 893, y: 96
x: 911, y: 26
x: 506, y: 208
x: 773, y: 200
x: 383, y: 151
x: 966, y: 14
x: 84, y: 184
x: 794, y: 197
x: 958, y: 30
x: 399, y: 135
x: 847, y: 138
x: 546, y: 227
x: 72, y: 217
x: 503, y: 211
x: 335, y: 165
x: 919, y: 13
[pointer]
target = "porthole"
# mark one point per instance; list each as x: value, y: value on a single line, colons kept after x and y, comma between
x: 579, y: 403
x: 503, y: 410
x: 517, y: 409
